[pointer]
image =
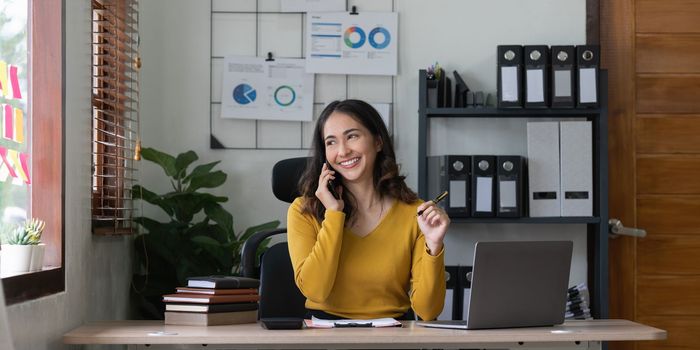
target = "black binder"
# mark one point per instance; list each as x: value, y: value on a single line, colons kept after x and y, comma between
x: 447, y: 85
x: 457, y: 281
x: 452, y: 282
x: 450, y: 173
x: 465, y: 283
x: 509, y: 186
x: 536, y: 77
x: 563, y: 79
x: 587, y: 75
x: 510, y: 72
x: 483, y: 186
x: 461, y: 89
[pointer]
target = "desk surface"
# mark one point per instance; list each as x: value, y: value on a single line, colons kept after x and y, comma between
x: 410, y: 336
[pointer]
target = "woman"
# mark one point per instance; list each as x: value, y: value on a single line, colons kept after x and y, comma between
x: 366, y: 254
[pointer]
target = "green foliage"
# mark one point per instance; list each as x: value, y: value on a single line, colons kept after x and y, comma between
x: 28, y: 233
x: 198, y: 239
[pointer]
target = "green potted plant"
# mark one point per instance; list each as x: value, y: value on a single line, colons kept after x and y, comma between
x: 198, y: 238
x: 22, y: 250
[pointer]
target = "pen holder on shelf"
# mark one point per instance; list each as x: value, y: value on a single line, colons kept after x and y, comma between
x: 439, y: 91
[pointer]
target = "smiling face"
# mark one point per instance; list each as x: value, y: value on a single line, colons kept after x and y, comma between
x: 350, y: 147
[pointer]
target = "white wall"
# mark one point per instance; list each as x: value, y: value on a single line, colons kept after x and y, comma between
x: 98, y: 269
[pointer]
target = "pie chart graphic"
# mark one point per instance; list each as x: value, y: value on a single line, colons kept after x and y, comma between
x: 360, y: 37
x: 244, y: 94
x: 382, y: 34
x: 285, y: 95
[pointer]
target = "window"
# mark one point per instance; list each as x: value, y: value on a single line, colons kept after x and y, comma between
x: 31, y: 37
x: 15, y: 138
x: 115, y: 114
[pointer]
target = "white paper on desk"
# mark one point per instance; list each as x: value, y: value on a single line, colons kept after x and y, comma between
x: 376, y: 322
x: 340, y: 43
x: 253, y: 88
x: 312, y: 5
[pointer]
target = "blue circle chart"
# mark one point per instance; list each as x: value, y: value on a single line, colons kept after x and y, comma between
x: 360, y: 37
x: 285, y: 95
x: 244, y: 94
x: 373, y: 35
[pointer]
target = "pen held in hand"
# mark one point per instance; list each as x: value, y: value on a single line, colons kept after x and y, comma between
x: 436, y: 201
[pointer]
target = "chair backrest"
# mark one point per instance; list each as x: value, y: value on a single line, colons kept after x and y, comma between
x: 285, y: 178
x: 279, y: 295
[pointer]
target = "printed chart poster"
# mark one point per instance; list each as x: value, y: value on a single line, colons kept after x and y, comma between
x: 341, y: 43
x: 253, y: 88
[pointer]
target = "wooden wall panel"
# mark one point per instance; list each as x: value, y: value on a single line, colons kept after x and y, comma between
x: 668, y: 53
x: 668, y: 174
x: 667, y: 133
x: 672, y: 255
x: 669, y: 214
x: 668, y: 295
x: 668, y: 93
x: 667, y: 16
x: 682, y: 333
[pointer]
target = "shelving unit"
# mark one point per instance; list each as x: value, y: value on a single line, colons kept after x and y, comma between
x: 597, y: 225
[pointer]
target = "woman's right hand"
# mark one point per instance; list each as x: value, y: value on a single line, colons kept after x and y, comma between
x: 325, y: 195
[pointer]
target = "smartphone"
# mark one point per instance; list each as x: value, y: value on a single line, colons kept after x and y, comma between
x: 331, y: 183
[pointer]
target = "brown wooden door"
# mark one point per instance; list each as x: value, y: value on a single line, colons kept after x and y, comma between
x: 652, y: 51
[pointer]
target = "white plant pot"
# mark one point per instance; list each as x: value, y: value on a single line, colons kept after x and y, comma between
x: 37, y: 262
x: 15, y: 258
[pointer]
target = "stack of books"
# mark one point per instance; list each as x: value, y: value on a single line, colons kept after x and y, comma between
x: 577, y: 304
x: 213, y: 300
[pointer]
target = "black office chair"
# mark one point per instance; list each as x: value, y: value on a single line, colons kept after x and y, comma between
x: 279, y: 295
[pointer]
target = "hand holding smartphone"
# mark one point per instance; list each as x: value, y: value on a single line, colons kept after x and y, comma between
x: 331, y: 184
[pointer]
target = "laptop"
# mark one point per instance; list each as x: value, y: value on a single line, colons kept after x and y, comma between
x: 516, y: 284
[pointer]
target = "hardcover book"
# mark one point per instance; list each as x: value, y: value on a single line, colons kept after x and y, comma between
x: 209, y: 299
x: 199, y: 319
x: 213, y: 291
x: 223, y: 282
x: 211, y: 308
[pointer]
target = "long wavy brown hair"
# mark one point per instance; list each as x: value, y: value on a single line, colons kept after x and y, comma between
x: 387, y: 179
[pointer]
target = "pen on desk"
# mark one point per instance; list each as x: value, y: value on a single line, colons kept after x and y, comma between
x: 436, y: 201
x: 353, y: 324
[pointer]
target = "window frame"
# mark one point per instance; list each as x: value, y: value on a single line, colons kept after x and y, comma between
x: 47, y: 84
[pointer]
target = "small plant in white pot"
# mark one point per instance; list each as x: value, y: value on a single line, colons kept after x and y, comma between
x: 22, y: 250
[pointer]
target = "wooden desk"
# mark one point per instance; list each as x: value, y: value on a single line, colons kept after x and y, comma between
x: 247, y: 336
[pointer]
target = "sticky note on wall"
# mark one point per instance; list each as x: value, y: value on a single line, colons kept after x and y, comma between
x: 4, y: 87
x: 8, y: 121
x: 14, y: 82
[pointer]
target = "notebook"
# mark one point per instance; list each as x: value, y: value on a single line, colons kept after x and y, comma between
x: 516, y: 284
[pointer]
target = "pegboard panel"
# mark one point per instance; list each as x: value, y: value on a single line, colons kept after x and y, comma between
x: 256, y: 27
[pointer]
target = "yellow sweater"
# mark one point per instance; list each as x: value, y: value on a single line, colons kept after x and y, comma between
x: 365, y: 277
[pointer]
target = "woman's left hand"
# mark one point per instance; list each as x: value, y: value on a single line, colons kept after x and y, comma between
x: 433, y: 223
